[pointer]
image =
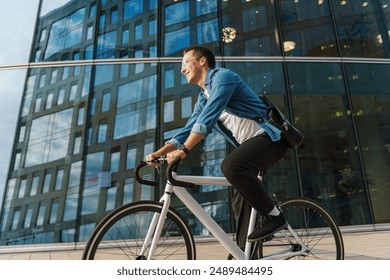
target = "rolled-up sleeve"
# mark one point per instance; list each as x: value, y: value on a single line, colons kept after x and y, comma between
x: 199, y: 128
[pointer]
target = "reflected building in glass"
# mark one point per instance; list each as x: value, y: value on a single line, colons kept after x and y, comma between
x: 103, y: 89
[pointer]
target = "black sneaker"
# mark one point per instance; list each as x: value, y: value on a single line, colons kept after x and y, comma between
x: 268, y: 226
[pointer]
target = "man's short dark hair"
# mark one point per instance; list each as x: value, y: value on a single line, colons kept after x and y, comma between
x: 201, y: 51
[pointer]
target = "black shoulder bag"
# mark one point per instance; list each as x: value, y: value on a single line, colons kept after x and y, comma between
x: 275, y: 117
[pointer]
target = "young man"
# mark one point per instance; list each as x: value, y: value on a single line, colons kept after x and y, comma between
x: 229, y: 105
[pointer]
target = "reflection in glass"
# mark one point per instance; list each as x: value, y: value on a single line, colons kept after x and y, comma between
x: 175, y: 13
x: 49, y: 137
x: 106, y: 45
x: 307, y: 29
x: 369, y: 84
x: 130, y: 119
x: 361, y: 29
x: 176, y: 40
x: 254, y: 23
x: 208, y: 31
x: 65, y: 33
x: 329, y: 158
x: 132, y: 8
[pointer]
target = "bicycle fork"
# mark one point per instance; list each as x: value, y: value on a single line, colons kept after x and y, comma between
x: 156, y: 226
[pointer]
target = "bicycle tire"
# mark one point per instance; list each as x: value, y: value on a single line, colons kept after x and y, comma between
x: 314, y: 225
x: 121, y: 233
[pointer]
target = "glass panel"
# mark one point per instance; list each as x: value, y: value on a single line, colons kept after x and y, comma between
x: 71, y: 203
x: 41, y: 213
x: 94, y: 180
x: 28, y: 216
x: 128, y: 190
x: 102, y: 133
x: 248, y: 28
x: 65, y: 33
x: 307, y: 28
x: 34, y: 184
x: 130, y: 118
x: 15, y: 221
x: 46, y: 182
x: 177, y: 13
x: 75, y: 174
x: 131, y: 157
x: 208, y: 31
x: 49, y: 138
x: 360, y: 28
x: 59, y: 178
x: 106, y: 101
x: 106, y: 45
x: 369, y: 85
x: 22, y: 188
x: 54, y: 212
x: 169, y: 111
x: 176, y: 40
x: 114, y: 165
x: 186, y: 107
x: 329, y: 156
x: 111, y: 197
x: 132, y: 8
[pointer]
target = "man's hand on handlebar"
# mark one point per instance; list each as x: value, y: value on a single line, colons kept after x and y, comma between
x: 177, y: 153
x: 155, y: 158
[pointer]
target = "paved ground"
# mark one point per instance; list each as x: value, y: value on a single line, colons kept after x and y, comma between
x: 371, y: 245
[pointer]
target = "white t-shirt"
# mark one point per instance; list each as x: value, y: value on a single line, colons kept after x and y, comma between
x: 241, y: 128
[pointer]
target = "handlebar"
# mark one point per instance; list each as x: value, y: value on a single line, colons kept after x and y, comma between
x: 172, y: 167
x: 138, y: 177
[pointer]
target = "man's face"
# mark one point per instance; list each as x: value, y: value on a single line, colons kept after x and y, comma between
x: 191, y: 67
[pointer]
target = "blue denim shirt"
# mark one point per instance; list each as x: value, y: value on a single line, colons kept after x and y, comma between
x: 227, y: 91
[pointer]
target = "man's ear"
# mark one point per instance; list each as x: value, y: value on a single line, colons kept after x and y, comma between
x: 203, y: 61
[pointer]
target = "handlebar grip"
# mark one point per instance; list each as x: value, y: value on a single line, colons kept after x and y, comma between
x: 172, y: 167
x: 138, y: 177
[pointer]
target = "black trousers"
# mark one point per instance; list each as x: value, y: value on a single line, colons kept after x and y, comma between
x: 241, y: 168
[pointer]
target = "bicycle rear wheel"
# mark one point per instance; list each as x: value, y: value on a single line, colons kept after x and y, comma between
x: 121, y: 235
x: 314, y: 225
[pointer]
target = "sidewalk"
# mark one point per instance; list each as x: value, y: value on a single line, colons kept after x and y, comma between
x: 373, y: 245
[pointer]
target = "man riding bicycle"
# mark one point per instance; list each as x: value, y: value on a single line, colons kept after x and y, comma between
x: 228, y: 104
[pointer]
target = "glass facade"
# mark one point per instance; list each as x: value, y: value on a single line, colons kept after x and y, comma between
x: 103, y: 89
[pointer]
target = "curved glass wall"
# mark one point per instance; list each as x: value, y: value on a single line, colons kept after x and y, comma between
x: 104, y: 89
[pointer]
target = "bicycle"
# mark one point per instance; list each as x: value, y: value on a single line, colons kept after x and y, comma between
x: 145, y: 230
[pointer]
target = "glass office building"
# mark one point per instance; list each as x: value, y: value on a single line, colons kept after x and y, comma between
x: 103, y: 89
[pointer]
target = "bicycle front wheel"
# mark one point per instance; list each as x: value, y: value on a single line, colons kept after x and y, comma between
x: 314, y: 225
x: 121, y: 235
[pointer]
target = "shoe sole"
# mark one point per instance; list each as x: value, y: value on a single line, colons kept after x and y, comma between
x: 267, y: 236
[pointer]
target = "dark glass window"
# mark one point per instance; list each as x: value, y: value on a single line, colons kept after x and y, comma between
x: 329, y: 160
x: 361, y: 29
x: 248, y: 28
x: 307, y: 28
x: 369, y: 86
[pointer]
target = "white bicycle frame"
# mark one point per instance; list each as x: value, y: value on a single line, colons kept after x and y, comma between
x: 188, y: 200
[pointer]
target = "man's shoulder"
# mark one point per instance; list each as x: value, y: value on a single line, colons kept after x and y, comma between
x: 222, y: 73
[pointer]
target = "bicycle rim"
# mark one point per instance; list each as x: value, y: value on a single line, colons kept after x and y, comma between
x: 314, y: 225
x: 122, y: 233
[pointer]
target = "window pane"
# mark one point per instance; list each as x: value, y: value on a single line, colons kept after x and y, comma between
x: 49, y: 138
x: 369, y: 84
x: 329, y: 160
x: 361, y: 29
x: 307, y: 28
